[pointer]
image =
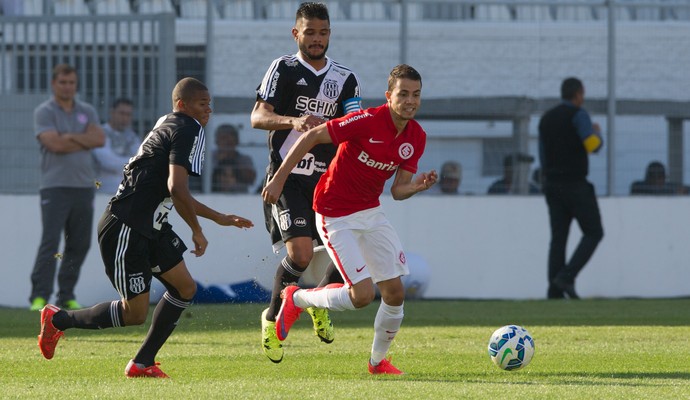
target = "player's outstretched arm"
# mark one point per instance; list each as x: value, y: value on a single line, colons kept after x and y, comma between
x: 264, y: 117
x: 207, y: 212
x: 312, y: 137
x: 405, y: 185
x: 178, y: 185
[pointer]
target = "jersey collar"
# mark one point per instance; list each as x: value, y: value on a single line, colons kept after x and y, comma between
x: 309, y: 67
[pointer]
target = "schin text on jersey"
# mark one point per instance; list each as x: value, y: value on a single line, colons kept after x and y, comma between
x: 316, y: 106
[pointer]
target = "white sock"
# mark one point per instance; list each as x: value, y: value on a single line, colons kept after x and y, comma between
x: 331, y: 298
x: 386, y: 326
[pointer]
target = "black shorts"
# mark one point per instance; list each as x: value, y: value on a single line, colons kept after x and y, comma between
x: 291, y: 216
x: 131, y: 259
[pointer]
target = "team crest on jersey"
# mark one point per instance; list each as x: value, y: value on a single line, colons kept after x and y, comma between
x: 331, y: 88
x: 284, y: 220
x: 136, y: 284
x: 405, y: 151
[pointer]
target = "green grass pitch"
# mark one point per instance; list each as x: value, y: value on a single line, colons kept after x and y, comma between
x: 589, y: 349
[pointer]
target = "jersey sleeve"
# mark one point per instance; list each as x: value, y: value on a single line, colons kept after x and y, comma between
x: 43, y: 120
x: 344, y: 128
x: 352, y: 100
x: 187, y: 148
x: 583, y: 124
x: 273, y: 84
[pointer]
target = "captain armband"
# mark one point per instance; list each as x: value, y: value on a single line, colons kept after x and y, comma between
x: 593, y: 143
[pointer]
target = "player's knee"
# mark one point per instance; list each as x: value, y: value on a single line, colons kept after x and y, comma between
x: 362, y: 297
x: 134, y: 316
x: 188, y: 290
x: 301, y: 260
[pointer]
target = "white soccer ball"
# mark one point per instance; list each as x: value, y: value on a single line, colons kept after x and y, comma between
x: 511, y: 347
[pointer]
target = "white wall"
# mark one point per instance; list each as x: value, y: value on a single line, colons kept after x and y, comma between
x: 477, y: 247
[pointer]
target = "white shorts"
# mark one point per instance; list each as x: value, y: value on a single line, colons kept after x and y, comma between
x: 363, y: 245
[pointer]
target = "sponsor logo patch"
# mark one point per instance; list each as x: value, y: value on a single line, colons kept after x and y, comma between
x: 300, y: 221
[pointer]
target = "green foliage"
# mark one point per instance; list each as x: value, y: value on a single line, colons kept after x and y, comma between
x: 589, y: 349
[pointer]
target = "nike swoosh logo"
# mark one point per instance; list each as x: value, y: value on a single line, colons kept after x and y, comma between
x: 371, y: 140
x: 360, y: 269
x: 505, y: 354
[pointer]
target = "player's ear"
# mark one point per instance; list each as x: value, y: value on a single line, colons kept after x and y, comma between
x: 388, y: 95
x: 180, y: 106
x: 294, y: 32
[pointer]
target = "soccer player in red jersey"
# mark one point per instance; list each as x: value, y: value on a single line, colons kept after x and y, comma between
x: 373, y: 145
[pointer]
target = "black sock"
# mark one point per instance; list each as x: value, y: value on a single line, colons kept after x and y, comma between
x: 100, y: 316
x: 287, y: 273
x: 163, y: 323
x: 331, y: 275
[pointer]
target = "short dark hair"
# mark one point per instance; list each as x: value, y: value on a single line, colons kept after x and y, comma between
x: 186, y: 88
x: 122, y: 100
x: 228, y: 128
x: 63, y: 69
x: 403, y: 71
x: 311, y: 10
x: 570, y: 88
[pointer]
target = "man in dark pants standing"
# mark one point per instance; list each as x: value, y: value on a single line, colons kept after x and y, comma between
x: 566, y: 137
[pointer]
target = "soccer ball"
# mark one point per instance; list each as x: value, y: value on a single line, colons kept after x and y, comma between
x: 511, y: 347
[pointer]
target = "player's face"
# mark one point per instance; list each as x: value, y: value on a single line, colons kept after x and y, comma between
x: 65, y: 86
x: 404, y: 99
x: 198, y: 107
x: 312, y: 36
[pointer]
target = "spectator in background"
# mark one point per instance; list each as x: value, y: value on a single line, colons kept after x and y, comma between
x: 655, y: 182
x: 233, y: 171
x: 566, y: 137
x: 450, y: 178
x: 505, y: 184
x: 536, y: 180
x: 67, y: 130
x: 121, y: 143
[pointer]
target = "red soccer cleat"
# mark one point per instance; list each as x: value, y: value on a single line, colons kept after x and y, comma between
x: 288, y: 314
x: 132, y: 370
x: 384, y: 367
x: 49, y: 336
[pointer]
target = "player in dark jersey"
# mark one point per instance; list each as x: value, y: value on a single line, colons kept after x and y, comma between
x: 136, y: 240
x: 373, y: 146
x: 299, y: 92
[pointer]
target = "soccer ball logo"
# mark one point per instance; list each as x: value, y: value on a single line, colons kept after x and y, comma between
x: 511, y: 347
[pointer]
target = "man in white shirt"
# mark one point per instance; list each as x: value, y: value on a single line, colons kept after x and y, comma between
x: 121, y: 143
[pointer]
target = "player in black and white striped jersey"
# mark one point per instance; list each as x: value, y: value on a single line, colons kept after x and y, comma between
x: 136, y: 240
x: 298, y: 92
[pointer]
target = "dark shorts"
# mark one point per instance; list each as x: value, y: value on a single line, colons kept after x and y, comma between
x: 131, y: 259
x: 291, y: 216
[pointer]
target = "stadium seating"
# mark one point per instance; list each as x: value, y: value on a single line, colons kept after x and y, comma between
x: 70, y: 7
x: 533, y: 13
x: 155, y: 6
x: 112, y: 7
x: 493, y: 12
x: 196, y: 9
x: 238, y: 9
x: 573, y: 13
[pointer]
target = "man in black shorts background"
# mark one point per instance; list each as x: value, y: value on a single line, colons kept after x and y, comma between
x: 136, y: 240
x: 298, y: 92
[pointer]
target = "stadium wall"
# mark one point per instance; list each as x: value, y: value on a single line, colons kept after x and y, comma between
x: 476, y: 247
